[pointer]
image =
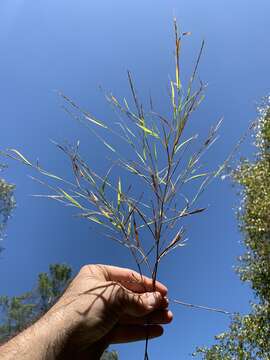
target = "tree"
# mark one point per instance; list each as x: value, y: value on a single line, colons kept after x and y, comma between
x: 248, y: 337
x: 51, y: 286
x: 19, y: 311
x: 107, y: 355
x: 16, y: 312
x: 7, y: 204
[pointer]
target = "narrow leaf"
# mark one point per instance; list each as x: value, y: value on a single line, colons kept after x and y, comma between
x: 148, y: 131
x: 71, y: 199
x: 196, y: 177
x: 94, y: 219
x: 21, y: 157
x: 155, y: 152
x: 95, y: 121
x: 119, y: 194
x: 108, y: 145
x: 179, y: 147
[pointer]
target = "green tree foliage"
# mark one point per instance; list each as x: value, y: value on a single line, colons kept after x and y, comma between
x: 52, y: 284
x: 248, y: 337
x: 107, y: 355
x: 7, y: 204
x: 16, y: 312
x: 19, y: 311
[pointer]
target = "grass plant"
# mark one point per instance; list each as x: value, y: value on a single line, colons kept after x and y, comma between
x: 166, y: 164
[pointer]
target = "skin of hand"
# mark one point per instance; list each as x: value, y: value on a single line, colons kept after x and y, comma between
x: 103, y: 305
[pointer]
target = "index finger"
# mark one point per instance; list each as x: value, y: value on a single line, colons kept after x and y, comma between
x: 132, y: 280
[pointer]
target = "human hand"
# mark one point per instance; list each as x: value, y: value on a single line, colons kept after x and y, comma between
x: 105, y: 305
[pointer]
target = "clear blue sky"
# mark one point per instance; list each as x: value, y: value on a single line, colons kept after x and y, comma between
x: 75, y: 46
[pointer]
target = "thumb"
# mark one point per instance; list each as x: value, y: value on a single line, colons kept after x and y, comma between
x: 138, y: 305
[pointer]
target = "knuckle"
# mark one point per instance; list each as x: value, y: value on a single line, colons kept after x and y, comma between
x: 84, y: 268
x: 91, y: 268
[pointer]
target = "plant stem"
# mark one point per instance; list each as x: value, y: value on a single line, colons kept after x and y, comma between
x: 200, y: 307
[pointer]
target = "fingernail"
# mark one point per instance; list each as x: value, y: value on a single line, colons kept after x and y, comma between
x: 170, y: 315
x: 166, y: 300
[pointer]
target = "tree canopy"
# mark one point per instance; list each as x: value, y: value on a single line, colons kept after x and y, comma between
x: 248, y: 337
x: 7, y: 204
x: 19, y: 311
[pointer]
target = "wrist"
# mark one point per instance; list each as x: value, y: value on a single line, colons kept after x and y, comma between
x: 39, y: 341
x: 77, y: 332
x: 56, y: 328
x: 64, y: 321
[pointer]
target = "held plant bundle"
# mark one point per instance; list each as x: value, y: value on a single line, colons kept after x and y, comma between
x: 166, y: 178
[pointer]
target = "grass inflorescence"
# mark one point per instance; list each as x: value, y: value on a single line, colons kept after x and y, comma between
x: 165, y: 162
